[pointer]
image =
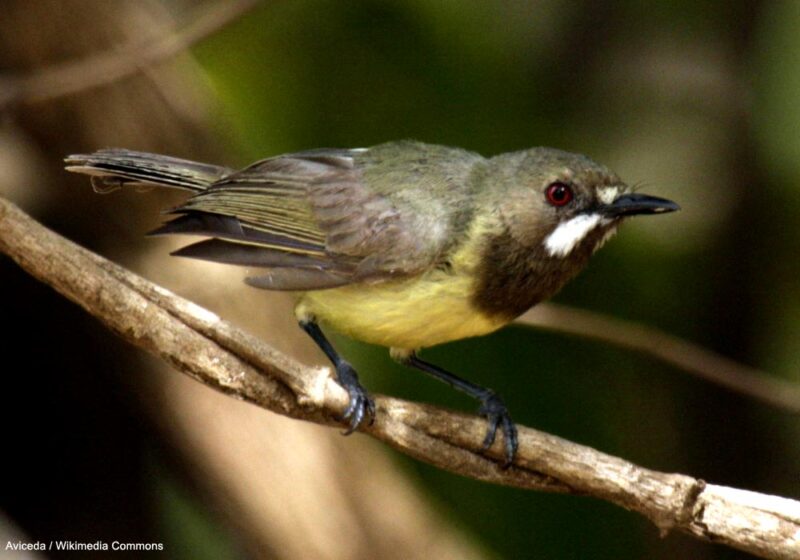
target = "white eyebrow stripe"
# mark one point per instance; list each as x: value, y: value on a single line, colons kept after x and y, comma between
x: 607, y: 194
x: 567, y: 235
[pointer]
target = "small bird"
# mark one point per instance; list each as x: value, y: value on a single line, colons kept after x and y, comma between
x: 405, y: 245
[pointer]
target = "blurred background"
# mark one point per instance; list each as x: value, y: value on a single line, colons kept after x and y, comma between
x: 699, y: 101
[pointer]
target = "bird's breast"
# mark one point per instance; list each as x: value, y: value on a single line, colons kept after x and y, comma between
x: 412, y: 313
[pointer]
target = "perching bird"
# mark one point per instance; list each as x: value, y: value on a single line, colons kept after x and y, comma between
x: 406, y: 245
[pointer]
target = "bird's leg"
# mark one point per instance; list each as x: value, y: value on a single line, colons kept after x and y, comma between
x: 492, y: 406
x: 361, y: 404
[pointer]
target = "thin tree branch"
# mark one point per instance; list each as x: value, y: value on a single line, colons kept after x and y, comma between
x: 689, y: 357
x: 108, y: 66
x: 200, y: 344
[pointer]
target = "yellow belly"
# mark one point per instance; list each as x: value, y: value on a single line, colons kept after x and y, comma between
x: 405, y: 314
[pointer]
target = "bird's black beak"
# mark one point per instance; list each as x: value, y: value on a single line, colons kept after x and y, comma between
x: 634, y: 203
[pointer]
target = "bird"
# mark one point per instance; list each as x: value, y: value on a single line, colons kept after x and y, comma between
x: 405, y: 245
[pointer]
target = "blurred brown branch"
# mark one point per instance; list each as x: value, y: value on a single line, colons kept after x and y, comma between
x: 109, y: 66
x: 689, y: 357
x: 217, y: 354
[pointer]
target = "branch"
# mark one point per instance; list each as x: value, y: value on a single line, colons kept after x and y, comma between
x: 200, y: 344
x: 111, y: 65
x: 678, y: 352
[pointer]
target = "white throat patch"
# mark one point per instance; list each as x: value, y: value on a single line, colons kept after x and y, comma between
x: 567, y: 235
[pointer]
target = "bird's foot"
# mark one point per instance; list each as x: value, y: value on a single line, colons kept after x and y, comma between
x: 361, y: 405
x: 495, y: 411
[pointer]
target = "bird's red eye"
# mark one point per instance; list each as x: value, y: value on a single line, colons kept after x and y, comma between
x: 558, y: 194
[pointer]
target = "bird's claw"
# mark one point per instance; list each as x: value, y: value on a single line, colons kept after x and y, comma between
x: 495, y: 411
x: 361, y: 405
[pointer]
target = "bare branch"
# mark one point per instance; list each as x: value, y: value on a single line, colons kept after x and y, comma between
x: 217, y: 354
x: 109, y: 66
x: 673, y: 350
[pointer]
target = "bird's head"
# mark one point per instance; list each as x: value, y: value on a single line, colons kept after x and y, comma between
x: 567, y: 203
x: 550, y: 211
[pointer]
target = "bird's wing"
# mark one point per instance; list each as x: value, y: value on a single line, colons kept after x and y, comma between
x: 312, y: 220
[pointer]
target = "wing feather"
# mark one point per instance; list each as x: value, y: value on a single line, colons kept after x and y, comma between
x: 256, y: 255
x: 226, y: 227
x: 313, y: 220
x: 293, y: 279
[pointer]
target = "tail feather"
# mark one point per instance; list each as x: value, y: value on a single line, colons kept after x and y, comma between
x: 116, y: 167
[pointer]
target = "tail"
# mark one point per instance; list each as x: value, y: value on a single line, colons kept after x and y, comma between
x: 111, y: 169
